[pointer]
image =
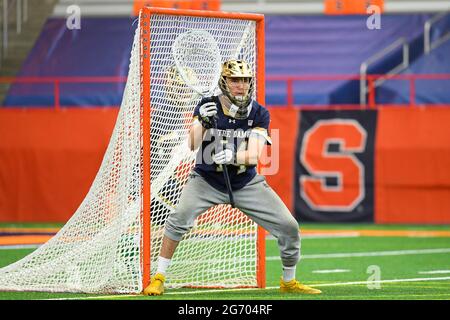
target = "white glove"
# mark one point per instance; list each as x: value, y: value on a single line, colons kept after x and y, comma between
x: 207, y: 111
x: 224, y: 157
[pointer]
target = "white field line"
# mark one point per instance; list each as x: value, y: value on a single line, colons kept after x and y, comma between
x: 380, y: 281
x: 368, y: 254
x: 434, y: 272
x: 193, y: 292
x: 20, y: 246
x: 331, y: 271
x: 323, y: 235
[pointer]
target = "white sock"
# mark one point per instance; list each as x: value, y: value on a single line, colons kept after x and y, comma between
x: 288, y: 273
x: 163, y: 264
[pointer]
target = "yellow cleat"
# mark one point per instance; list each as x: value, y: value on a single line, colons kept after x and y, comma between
x: 294, y: 286
x: 156, y: 286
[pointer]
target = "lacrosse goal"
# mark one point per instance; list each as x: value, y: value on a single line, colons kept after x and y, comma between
x: 112, y: 241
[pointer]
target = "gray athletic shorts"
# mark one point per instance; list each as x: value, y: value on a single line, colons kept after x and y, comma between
x: 257, y: 200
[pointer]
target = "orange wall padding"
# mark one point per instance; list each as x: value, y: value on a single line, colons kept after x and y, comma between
x: 48, y: 160
x: 340, y: 7
x: 286, y: 120
x: 412, y: 165
x: 177, y: 4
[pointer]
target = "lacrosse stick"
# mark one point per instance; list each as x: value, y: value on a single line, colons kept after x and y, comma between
x: 197, y: 51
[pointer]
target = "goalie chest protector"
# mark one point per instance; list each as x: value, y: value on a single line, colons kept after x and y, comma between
x: 233, y: 134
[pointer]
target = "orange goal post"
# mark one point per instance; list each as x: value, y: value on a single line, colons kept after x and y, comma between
x: 112, y: 241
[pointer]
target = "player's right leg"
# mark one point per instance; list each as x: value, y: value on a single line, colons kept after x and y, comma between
x: 156, y: 286
x: 264, y: 206
x: 197, y: 197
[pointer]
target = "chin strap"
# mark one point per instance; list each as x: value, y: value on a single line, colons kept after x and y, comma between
x: 235, y: 111
x: 239, y: 112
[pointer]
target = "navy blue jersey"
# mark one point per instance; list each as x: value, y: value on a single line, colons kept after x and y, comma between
x: 233, y: 134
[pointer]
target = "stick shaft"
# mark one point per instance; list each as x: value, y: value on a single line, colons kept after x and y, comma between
x: 225, y: 171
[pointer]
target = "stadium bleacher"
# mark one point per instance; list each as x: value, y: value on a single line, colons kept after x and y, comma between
x: 311, y: 45
x: 100, y: 48
x: 427, y: 90
x: 295, y: 45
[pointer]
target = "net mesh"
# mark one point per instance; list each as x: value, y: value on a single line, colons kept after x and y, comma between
x: 99, y: 249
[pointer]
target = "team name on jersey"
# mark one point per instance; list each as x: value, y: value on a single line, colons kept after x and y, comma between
x: 233, y: 133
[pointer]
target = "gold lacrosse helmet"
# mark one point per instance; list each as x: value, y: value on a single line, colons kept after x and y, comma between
x: 237, y: 69
x: 176, y: 88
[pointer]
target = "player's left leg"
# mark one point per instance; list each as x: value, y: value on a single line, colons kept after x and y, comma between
x: 258, y: 200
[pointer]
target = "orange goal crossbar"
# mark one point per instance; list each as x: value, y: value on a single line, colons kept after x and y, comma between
x: 145, y: 15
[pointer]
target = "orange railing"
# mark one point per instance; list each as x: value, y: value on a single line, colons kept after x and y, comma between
x: 57, y: 81
x: 289, y: 80
x: 372, y: 79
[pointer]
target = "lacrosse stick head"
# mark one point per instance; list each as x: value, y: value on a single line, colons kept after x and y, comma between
x: 198, y: 52
x: 176, y: 89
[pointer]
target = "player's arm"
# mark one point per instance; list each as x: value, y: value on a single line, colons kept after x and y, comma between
x: 203, y: 115
x: 259, y: 136
x: 196, y: 134
x: 251, y: 155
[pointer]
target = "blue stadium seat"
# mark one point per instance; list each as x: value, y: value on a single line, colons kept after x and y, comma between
x: 295, y: 45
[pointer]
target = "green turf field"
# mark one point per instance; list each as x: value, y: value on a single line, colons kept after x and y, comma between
x: 343, y: 267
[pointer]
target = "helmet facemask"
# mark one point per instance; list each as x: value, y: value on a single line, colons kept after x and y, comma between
x: 237, y: 69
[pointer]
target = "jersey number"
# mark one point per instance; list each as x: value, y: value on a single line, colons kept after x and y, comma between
x: 241, y: 168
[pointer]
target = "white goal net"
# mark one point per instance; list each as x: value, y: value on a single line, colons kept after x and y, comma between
x: 100, y: 249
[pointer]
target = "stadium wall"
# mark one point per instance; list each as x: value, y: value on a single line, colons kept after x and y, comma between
x: 399, y: 157
x: 49, y: 159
